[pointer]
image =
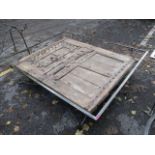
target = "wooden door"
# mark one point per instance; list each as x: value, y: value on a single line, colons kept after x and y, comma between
x: 82, y: 73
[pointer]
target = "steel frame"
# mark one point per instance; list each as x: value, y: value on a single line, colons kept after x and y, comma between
x: 106, y: 104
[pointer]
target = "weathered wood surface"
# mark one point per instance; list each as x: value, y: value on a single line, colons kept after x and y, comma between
x: 83, y: 73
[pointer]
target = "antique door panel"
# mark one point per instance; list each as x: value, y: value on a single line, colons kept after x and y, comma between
x: 80, y: 72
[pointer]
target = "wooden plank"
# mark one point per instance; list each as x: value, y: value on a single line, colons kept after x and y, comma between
x: 73, y: 62
x: 98, y: 49
x: 107, y: 88
x: 90, y: 76
x: 69, y: 92
x: 31, y: 69
x: 60, y: 60
x: 42, y: 52
x: 103, y: 65
x: 43, y: 63
x: 55, y: 56
x: 61, y: 52
x: 82, y: 86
